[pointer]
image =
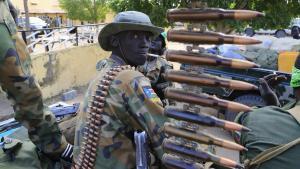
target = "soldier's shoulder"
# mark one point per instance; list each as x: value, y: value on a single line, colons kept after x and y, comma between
x: 127, y: 76
x: 101, y: 64
x: 164, y: 62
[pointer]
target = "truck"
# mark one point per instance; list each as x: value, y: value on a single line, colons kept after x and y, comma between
x: 294, y: 30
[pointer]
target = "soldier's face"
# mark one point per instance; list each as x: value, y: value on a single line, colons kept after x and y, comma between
x: 156, y: 46
x: 135, y: 46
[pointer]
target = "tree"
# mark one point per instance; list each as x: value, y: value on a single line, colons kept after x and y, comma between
x: 85, y: 10
x: 278, y: 12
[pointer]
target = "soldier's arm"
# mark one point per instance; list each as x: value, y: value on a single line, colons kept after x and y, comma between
x: 146, y: 108
x: 13, y: 11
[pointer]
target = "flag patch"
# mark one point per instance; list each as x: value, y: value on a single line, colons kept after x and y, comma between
x: 150, y: 94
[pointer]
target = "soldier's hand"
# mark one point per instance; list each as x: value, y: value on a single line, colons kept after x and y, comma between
x: 266, y: 85
x: 273, y: 80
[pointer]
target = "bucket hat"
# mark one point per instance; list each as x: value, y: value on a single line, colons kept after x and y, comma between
x: 126, y: 21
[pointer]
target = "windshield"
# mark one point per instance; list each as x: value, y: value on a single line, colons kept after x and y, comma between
x: 35, y: 20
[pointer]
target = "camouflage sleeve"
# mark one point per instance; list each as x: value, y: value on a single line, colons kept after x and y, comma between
x: 25, y: 93
x: 153, y: 71
x: 146, y: 108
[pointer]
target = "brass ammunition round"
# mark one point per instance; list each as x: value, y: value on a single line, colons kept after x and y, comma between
x: 99, y: 98
x: 197, y: 154
x: 111, y: 73
x: 207, y: 59
x: 101, y: 93
x: 103, y: 87
x: 206, y: 80
x: 105, y: 82
x: 208, y: 38
x: 209, y: 14
x: 108, y: 77
x: 204, y: 100
x: 179, y: 163
x: 201, y: 137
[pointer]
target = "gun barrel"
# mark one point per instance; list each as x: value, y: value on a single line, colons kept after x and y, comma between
x: 205, y: 100
x: 206, y: 80
x: 200, y: 137
x: 177, y: 163
x: 207, y: 59
x: 202, y: 119
x: 209, y: 14
x: 197, y: 154
x: 208, y: 38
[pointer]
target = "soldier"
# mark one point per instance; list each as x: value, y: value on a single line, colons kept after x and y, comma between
x: 24, y: 92
x: 130, y: 103
x: 154, y: 67
x: 273, y: 141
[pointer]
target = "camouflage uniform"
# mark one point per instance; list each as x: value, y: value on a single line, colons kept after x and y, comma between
x: 152, y: 70
x: 23, y: 90
x: 130, y: 105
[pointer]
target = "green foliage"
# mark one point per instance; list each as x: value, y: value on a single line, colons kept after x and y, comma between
x: 156, y: 9
x: 278, y: 12
x: 85, y: 10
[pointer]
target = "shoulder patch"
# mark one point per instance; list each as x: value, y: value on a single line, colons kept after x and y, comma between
x: 150, y: 94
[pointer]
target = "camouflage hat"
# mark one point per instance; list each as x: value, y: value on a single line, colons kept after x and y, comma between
x: 126, y: 21
x: 295, y: 80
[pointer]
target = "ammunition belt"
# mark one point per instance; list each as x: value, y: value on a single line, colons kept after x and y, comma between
x: 88, y: 153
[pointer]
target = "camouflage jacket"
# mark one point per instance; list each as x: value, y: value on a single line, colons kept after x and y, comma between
x: 130, y: 105
x: 152, y: 69
x: 6, y: 18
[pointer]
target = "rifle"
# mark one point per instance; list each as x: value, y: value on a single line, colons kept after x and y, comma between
x: 142, y: 151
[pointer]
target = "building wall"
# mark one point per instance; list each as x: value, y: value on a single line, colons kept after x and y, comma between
x: 62, y: 70
x: 50, y: 8
x: 39, y: 5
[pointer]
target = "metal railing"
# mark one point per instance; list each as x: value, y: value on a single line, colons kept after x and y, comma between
x: 50, y: 39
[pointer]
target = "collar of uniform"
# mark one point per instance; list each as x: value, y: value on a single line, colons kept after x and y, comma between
x: 117, y: 61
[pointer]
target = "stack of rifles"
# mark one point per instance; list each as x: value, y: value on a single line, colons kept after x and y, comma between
x: 182, y: 147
